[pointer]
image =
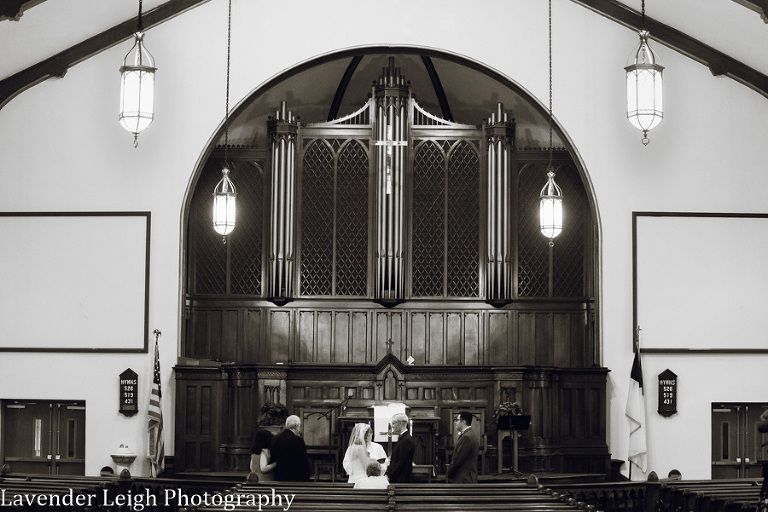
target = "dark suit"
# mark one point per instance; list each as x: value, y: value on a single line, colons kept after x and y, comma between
x: 463, y: 468
x: 400, y: 468
x: 290, y: 453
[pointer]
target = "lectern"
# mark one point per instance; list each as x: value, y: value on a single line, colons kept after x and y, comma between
x: 516, y: 423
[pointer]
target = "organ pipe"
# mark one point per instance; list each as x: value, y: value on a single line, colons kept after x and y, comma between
x: 283, y: 129
x: 500, y: 133
x: 392, y: 94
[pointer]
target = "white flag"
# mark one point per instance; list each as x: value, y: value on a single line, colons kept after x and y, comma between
x: 635, y: 411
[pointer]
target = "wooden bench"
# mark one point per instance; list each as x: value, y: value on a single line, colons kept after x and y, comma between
x: 710, y: 495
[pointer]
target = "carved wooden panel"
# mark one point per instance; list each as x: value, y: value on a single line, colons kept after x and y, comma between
x: 469, y: 337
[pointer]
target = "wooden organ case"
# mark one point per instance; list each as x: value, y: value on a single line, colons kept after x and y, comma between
x: 396, y: 258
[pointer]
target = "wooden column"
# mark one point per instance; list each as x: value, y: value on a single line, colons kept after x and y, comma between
x: 500, y: 133
x: 282, y: 130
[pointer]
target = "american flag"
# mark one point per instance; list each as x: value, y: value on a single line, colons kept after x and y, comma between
x: 155, y: 421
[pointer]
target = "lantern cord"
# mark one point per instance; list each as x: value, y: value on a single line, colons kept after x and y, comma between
x: 141, y: 23
x: 550, y: 85
x: 226, y: 112
x: 642, y: 14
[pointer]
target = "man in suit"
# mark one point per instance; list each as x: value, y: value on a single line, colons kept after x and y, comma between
x: 463, y: 467
x: 290, y: 453
x: 400, y: 468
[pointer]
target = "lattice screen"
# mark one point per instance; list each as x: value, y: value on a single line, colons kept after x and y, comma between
x: 533, y: 248
x: 334, y: 219
x: 210, y: 255
x: 446, y: 220
x: 428, y: 241
x: 317, y: 183
x: 352, y: 221
x: 245, y: 242
x: 463, y: 221
x: 568, y: 258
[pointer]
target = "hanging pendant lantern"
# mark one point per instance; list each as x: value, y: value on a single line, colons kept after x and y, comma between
x: 224, y: 206
x: 224, y: 194
x: 551, y: 197
x: 137, y: 86
x: 551, y: 208
x: 645, y: 109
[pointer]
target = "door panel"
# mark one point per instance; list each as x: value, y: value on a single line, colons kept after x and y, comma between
x: 44, y: 437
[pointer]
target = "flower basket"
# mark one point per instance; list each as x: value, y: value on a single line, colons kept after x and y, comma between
x: 502, y: 413
x: 273, y: 413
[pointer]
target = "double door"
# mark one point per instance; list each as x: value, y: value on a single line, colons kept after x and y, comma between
x: 737, y: 446
x: 41, y: 436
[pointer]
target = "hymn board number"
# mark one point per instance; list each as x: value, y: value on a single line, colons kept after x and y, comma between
x: 667, y: 393
x: 129, y: 384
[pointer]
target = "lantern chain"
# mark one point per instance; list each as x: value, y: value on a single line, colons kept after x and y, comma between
x: 140, y: 23
x: 550, y: 84
x: 226, y: 111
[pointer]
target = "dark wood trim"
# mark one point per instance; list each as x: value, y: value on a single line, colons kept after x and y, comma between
x: 58, y: 65
x: 759, y: 6
x: 437, y: 85
x: 717, y: 62
x: 13, y: 9
x: 333, y: 113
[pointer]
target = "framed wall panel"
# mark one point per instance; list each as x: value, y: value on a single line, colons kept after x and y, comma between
x: 700, y: 281
x: 90, y: 291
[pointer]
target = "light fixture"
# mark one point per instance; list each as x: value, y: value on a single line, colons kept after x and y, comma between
x: 137, y: 86
x: 551, y: 197
x: 224, y: 194
x: 645, y: 109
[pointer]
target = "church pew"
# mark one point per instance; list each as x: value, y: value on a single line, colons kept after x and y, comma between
x: 609, y: 496
x: 709, y: 495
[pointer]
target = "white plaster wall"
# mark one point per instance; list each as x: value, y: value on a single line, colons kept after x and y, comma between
x: 62, y: 149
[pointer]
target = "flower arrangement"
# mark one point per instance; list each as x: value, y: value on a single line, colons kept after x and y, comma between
x: 505, y: 410
x: 273, y: 413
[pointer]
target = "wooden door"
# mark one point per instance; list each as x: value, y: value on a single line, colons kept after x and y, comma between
x: 44, y: 437
x: 736, y: 443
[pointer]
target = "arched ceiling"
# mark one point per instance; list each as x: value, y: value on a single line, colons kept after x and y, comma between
x: 446, y: 85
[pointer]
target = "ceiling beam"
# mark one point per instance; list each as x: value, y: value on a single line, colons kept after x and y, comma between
x: 58, y: 65
x: 333, y: 113
x: 437, y: 85
x: 759, y: 6
x: 717, y: 62
x: 13, y: 9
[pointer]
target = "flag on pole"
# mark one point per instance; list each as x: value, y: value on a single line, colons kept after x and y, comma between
x: 155, y: 418
x: 635, y: 411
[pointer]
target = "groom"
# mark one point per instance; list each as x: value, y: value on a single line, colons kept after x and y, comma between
x: 400, y: 468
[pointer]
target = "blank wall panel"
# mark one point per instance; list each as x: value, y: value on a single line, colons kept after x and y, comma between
x: 93, y: 270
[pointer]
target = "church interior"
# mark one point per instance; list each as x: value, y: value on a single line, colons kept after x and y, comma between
x: 391, y: 166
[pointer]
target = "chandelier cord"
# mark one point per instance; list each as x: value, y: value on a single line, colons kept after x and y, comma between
x: 550, y: 84
x: 226, y: 111
x: 642, y: 14
x: 140, y: 22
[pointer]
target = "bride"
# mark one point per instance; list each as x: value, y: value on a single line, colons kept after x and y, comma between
x: 361, y: 449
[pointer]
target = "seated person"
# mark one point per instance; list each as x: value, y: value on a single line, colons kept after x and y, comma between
x: 373, y: 479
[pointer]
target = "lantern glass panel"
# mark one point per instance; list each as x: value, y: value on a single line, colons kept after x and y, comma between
x: 551, y: 216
